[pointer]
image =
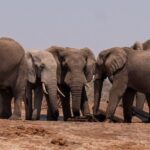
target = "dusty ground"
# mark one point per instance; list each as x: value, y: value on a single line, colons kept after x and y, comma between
x: 36, y: 135
x: 46, y: 135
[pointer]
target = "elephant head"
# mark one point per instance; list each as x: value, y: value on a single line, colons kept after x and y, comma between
x: 42, y: 67
x: 74, y: 68
x: 109, y: 62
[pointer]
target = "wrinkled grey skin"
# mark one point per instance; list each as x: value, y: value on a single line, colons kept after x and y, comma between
x: 12, y: 77
x: 130, y: 70
x: 140, y: 98
x: 42, y: 68
x: 75, y: 69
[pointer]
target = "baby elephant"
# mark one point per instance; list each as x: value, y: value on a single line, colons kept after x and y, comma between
x: 131, y: 72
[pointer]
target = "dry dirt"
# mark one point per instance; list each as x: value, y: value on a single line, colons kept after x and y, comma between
x: 46, y: 135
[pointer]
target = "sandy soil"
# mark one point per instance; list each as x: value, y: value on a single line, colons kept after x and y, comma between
x: 46, y: 135
x: 42, y: 135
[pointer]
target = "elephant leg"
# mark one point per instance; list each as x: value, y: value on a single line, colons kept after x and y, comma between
x: 7, y: 111
x: 17, y: 109
x: 18, y: 97
x: 140, y: 99
x: 128, y: 99
x: 5, y: 100
x: 38, y: 96
x: 148, y: 102
x: 28, y: 101
x: 84, y: 103
x: 1, y: 104
x: 118, y: 88
x: 98, y: 84
x: 18, y: 89
x: 65, y: 101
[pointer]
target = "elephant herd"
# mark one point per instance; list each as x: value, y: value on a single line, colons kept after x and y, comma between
x: 64, y: 71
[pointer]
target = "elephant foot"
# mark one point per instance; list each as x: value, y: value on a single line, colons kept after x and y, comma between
x: 96, y: 113
x: 147, y: 121
x: 67, y: 117
x: 100, y: 117
x: 15, y: 117
x: 5, y: 115
x: 91, y: 118
x: 53, y: 117
x: 28, y: 116
x: 127, y: 121
x: 108, y: 121
x: 76, y: 114
x: 87, y: 118
x: 35, y: 116
x: 77, y: 119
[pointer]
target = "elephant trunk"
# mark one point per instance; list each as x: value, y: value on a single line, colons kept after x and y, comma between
x: 51, y: 89
x: 76, y: 91
x: 98, y: 84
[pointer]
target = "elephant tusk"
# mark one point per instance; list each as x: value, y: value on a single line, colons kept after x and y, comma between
x: 93, y: 77
x: 44, y: 89
x: 60, y: 92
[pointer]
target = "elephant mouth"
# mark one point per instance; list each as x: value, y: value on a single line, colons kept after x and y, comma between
x: 46, y: 92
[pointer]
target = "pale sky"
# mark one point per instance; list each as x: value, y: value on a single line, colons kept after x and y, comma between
x: 97, y: 24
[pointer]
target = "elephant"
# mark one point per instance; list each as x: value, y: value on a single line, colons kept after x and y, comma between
x: 42, y: 79
x: 130, y: 70
x: 141, y: 46
x: 13, y: 76
x: 140, y: 97
x: 75, y: 68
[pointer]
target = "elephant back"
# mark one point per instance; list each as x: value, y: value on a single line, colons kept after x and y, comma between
x: 146, y: 45
x: 11, y: 53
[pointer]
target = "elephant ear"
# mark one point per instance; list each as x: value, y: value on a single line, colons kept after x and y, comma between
x: 115, y: 60
x: 58, y: 53
x: 31, y: 68
x: 90, y: 63
x: 137, y: 46
x: 102, y: 57
x: 100, y: 64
